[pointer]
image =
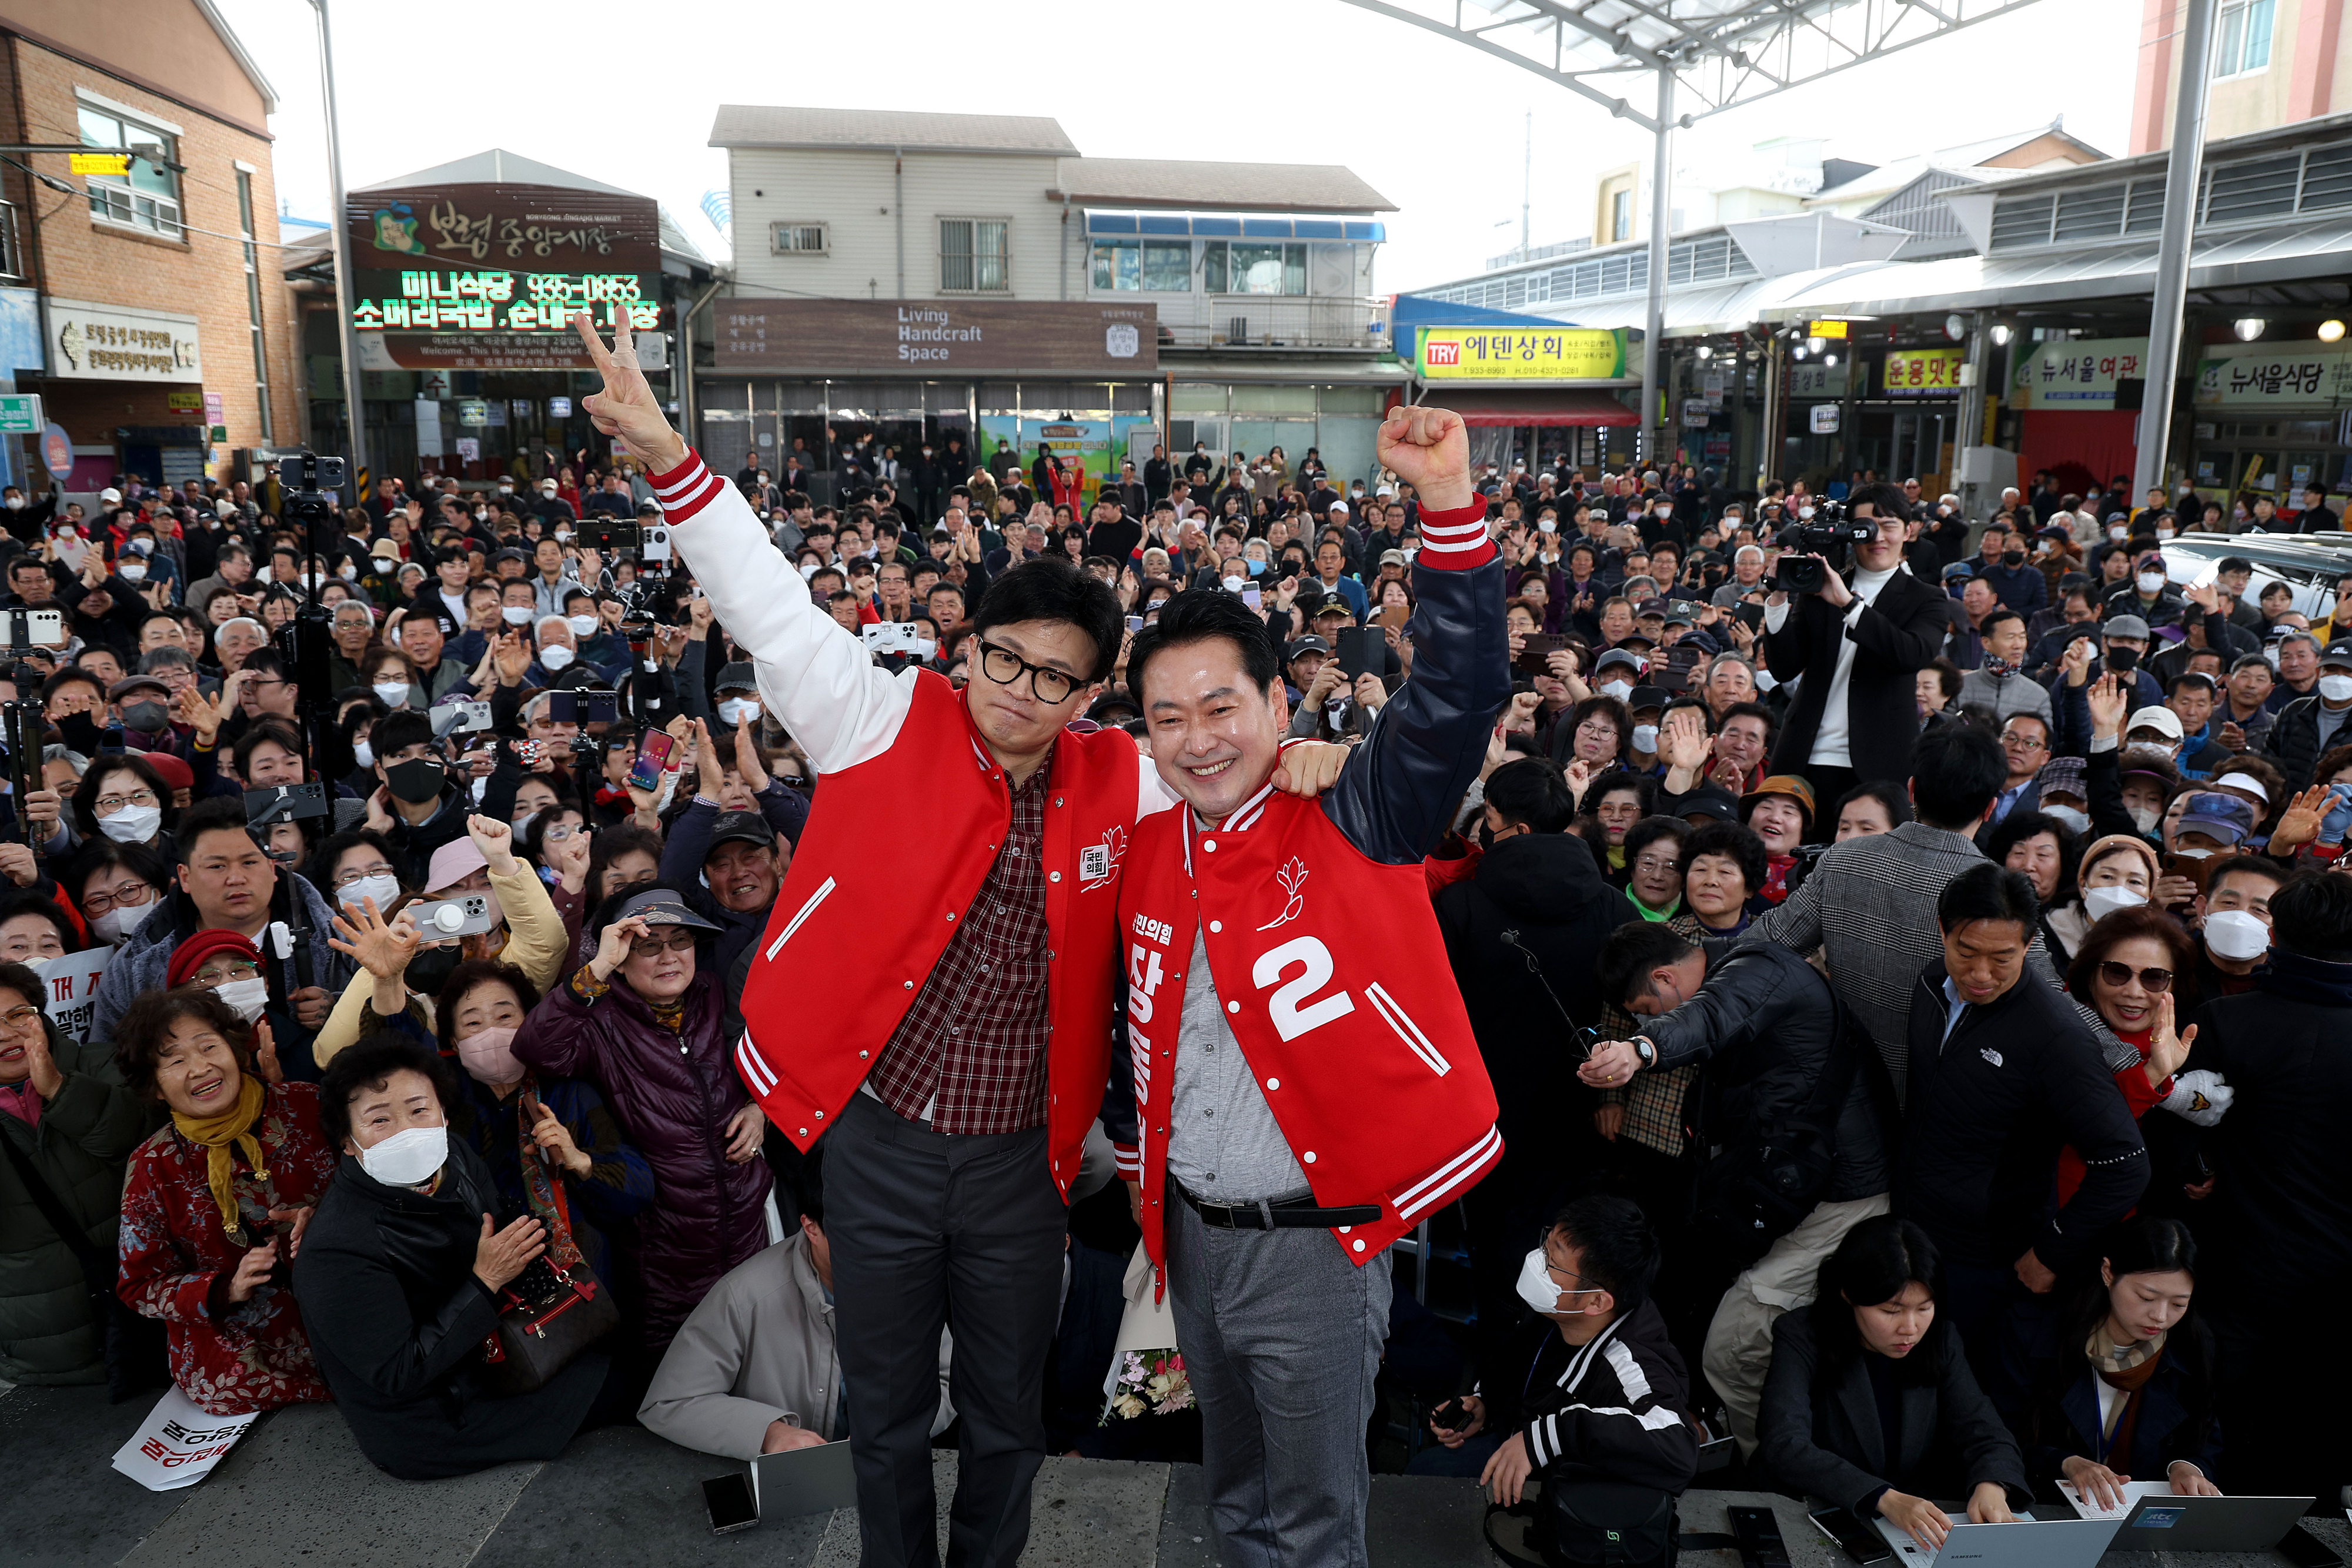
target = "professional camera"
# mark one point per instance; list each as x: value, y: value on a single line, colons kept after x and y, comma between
x: 1828, y: 533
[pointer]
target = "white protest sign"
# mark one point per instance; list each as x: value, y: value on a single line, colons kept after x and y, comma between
x: 179, y: 1444
x: 72, y: 999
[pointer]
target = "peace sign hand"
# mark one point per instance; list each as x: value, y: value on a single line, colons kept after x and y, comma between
x: 627, y: 407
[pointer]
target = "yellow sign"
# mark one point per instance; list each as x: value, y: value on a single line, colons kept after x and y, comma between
x: 1517, y: 353
x: 184, y: 402
x: 1922, y: 372
x: 1825, y: 329
x: 112, y: 165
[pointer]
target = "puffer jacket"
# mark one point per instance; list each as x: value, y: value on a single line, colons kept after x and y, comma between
x: 708, y: 1214
x: 2293, y: 741
x: 87, y: 1133
x: 1768, y: 1027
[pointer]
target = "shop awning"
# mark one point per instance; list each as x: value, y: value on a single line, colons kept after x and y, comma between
x: 1562, y: 406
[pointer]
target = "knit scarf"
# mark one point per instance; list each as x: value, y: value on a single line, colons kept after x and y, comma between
x: 217, y: 1133
x: 2124, y: 1366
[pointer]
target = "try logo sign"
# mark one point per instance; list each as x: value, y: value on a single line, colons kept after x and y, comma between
x: 1443, y: 353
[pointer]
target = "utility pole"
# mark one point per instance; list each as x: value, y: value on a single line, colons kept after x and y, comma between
x: 1654, y: 422
x: 346, y: 299
x: 2170, y: 297
x: 1527, y: 182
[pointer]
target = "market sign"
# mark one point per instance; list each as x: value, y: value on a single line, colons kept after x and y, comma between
x: 2080, y: 373
x: 1519, y: 354
x: 488, y: 276
x: 106, y: 165
x: 2281, y: 377
x: 1812, y: 379
x: 958, y: 336
x: 1923, y: 372
x: 1825, y: 329
x: 117, y: 344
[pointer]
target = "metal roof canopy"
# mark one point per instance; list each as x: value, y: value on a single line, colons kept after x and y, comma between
x: 1721, y: 53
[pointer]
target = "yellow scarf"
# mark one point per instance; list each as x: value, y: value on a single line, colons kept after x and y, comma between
x: 217, y: 1134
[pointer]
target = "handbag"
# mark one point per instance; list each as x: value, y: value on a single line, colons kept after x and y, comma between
x: 1585, y: 1522
x: 136, y: 1346
x: 556, y: 1308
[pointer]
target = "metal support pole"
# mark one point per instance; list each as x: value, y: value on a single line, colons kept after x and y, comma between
x: 2182, y: 171
x: 1971, y: 425
x: 1654, y: 319
x: 354, y: 412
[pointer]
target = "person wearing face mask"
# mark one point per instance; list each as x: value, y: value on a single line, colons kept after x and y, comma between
x: 216, y: 1205
x: 599, y: 645
x: 734, y: 842
x: 1870, y: 1402
x: 2019, y: 584
x: 1780, y: 1063
x: 2233, y: 931
x: 1605, y: 1393
x: 2308, y: 727
x: 419, y: 803
x: 401, y: 1274
x: 2149, y: 593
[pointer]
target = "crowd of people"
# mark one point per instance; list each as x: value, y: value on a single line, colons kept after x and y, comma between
x: 1913, y: 985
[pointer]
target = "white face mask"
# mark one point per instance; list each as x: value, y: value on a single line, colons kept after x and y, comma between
x: 2235, y: 935
x: 554, y: 659
x: 735, y: 710
x: 2076, y: 822
x: 1619, y: 689
x: 132, y: 572
x: 582, y: 625
x: 117, y: 924
x: 515, y: 614
x: 132, y: 824
x: 1535, y: 1289
x: 383, y: 888
x: 563, y: 535
x: 2149, y: 581
x: 394, y: 693
x: 2102, y: 902
x: 244, y: 997
x: 2145, y: 817
x: 362, y: 753
x: 2116, y: 533
x: 2335, y: 688
x: 15, y: 503
x: 1645, y: 738
x: 1233, y: 584
x: 407, y: 1158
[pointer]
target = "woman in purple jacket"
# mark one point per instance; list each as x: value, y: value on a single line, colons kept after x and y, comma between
x: 641, y: 1021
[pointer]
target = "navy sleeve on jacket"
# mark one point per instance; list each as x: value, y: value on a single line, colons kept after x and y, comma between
x: 1425, y: 746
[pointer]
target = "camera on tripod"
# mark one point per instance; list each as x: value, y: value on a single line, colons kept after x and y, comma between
x: 1830, y: 534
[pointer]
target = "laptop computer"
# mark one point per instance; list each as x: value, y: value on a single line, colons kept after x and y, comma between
x: 2167, y: 1524
x: 2028, y: 1543
x: 803, y: 1482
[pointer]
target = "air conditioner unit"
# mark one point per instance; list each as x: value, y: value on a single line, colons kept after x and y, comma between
x: 1237, y: 330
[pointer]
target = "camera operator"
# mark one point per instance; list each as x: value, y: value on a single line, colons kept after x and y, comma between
x: 1859, y: 639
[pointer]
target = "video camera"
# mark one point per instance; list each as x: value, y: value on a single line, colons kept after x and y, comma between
x: 1828, y: 533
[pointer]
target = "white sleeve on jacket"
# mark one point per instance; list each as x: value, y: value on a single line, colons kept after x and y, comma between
x: 816, y: 677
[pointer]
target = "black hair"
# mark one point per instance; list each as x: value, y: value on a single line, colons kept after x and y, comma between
x: 1650, y: 830
x: 2018, y: 826
x: 101, y: 853
x: 1735, y: 841
x: 1630, y: 953
x: 475, y: 972
x: 1198, y: 617
x: 21, y: 980
x: 266, y: 660
x: 269, y: 726
x: 1876, y: 1262
x: 1987, y: 891
x: 396, y: 731
x: 2244, y: 860
x: 368, y: 1062
x: 1616, y: 1251
x: 1885, y: 791
x: 1531, y: 790
x: 139, y: 1033
x: 2311, y: 915
x: 1052, y: 587
x: 220, y: 813
x: 321, y: 871
x: 86, y: 792
x: 17, y: 901
x: 1956, y: 771
x: 1642, y: 785
x: 1994, y: 617
x: 2148, y: 1244
x: 1885, y: 500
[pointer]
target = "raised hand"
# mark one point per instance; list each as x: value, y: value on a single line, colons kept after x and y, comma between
x: 2077, y: 661
x: 1580, y: 779
x: 746, y: 755
x: 495, y: 840
x: 627, y: 407
x: 2107, y: 704
x: 568, y: 858
x: 2166, y: 1051
x: 613, y: 948
x: 265, y: 1045
x: 510, y: 656
x: 2300, y: 823
x: 381, y: 946
x: 1429, y: 449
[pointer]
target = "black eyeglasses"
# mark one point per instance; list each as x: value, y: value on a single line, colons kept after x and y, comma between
x: 2154, y: 981
x: 1004, y: 666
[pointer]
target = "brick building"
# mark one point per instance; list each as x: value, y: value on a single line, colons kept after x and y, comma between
x: 165, y: 339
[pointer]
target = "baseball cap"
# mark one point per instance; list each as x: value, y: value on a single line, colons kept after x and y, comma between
x: 739, y: 827
x: 2162, y: 721
x: 130, y: 683
x: 1304, y: 645
x: 649, y: 508
x: 1619, y: 656
x: 510, y: 554
x: 2062, y: 775
x: 109, y: 495
x: 1393, y: 558
x: 1711, y: 801
x: 1794, y: 786
x: 1341, y: 507
x: 2126, y: 626
x: 1643, y: 697
x: 1656, y: 607
x: 2221, y: 816
x: 549, y: 485
x: 2339, y: 652
x: 660, y: 906
x: 736, y: 677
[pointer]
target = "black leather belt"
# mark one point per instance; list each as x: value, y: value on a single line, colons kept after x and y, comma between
x: 1293, y: 1213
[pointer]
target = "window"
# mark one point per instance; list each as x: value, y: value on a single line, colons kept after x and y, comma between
x: 253, y: 297
x: 1621, y: 214
x: 799, y: 239
x: 148, y: 197
x: 1231, y: 267
x: 2245, y: 42
x: 1156, y: 266
x: 974, y: 254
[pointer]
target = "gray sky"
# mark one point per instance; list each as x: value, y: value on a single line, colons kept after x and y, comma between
x: 618, y: 93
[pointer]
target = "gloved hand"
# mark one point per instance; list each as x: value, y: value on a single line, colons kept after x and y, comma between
x: 2199, y: 1095
x: 2339, y: 815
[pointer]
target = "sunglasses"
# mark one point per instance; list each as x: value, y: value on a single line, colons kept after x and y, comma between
x: 2154, y: 981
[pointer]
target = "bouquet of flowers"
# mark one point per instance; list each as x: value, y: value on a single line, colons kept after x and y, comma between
x: 1147, y: 1383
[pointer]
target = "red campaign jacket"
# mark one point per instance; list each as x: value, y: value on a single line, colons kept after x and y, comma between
x: 812, y: 1031
x: 1368, y: 1061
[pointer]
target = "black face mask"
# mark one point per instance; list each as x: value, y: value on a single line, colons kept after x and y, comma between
x: 416, y: 781
x: 2122, y: 661
x: 2012, y: 557
x: 145, y: 718
x: 431, y: 966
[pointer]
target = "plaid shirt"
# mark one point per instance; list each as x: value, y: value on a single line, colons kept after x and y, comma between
x: 969, y: 1055
x: 1653, y: 1100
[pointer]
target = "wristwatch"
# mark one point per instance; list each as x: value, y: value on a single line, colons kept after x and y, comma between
x: 1645, y: 1050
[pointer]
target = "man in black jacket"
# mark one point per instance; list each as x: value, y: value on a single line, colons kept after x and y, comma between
x: 1860, y: 640
x: 1791, y: 1083
x: 2003, y: 1073
x: 1521, y: 934
x: 2309, y: 726
x: 2281, y: 1230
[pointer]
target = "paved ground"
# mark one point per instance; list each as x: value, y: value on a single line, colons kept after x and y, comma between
x: 296, y: 1494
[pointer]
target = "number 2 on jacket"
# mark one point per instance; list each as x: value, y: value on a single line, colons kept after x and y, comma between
x: 1289, y: 1009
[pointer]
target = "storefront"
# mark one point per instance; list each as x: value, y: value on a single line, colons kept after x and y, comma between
x: 2066, y: 394
x: 1549, y: 396
x: 128, y: 385
x: 2270, y: 418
